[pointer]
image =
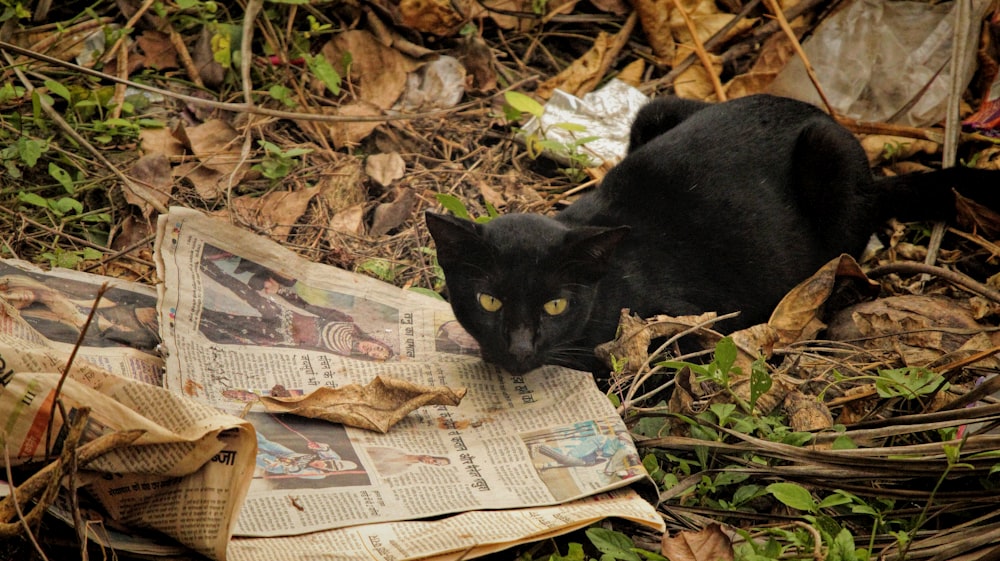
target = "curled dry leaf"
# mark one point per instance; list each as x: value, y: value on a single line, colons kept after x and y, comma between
x: 157, y: 50
x: 380, y: 71
x: 350, y: 220
x: 479, y: 62
x: 586, y: 72
x: 215, y: 145
x: 797, y: 316
x: 385, y: 168
x: 773, y: 56
x: 377, y: 407
x: 153, y: 172
x: 389, y: 216
x: 921, y: 329
x: 806, y: 413
x: 708, y: 544
x: 654, y: 15
x: 275, y: 212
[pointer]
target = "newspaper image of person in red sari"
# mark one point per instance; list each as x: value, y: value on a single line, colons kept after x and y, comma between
x: 282, y: 312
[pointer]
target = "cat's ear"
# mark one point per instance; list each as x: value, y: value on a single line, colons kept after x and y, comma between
x: 456, y: 239
x: 591, y: 248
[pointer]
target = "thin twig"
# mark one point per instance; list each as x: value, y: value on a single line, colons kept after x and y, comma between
x: 699, y: 49
x: 952, y: 276
x: 257, y: 110
x: 787, y: 29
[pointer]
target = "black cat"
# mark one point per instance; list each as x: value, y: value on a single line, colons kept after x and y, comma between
x: 716, y: 207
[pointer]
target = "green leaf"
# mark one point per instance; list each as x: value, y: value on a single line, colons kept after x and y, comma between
x: 64, y: 205
x: 523, y: 103
x: 760, y: 381
x: 322, y: 69
x: 62, y: 176
x: 835, y: 499
x: 571, y: 127
x: 59, y: 89
x: 615, y: 544
x: 725, y: 354
x: 908, y: 382
x: 453, y: 204
x: 575, y: 553
x: 29, y: 150
x: 33, y: 199
x: 795, y: 496
x: 843, y: 442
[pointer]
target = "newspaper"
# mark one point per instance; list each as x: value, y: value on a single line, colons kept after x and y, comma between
x: 186, y: 475
x: 241, y: 319
x: 236, y: 318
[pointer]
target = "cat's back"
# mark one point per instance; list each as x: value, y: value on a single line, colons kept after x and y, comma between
x: 725, y: 158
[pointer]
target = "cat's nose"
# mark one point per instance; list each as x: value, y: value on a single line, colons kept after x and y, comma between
x: 522, y: 344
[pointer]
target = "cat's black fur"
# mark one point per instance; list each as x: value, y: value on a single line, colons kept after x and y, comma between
x: 717, y: 207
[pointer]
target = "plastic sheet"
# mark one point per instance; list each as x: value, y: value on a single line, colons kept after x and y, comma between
x: 885, y: 61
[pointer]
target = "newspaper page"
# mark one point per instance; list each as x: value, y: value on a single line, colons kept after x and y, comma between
x: 186, y: 475
x: 242, y: 317
x: 463, y: 536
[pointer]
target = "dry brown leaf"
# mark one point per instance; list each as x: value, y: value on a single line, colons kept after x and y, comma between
x: 806, y: 413
x: 158, y: 50
x: 882, y: 147
x: 388, y: 216
x: 708, y: 544
x: 430, y: 16
x: 616, y: 7
x: 342, y: 187
x: 153, y: 172
x: 274, y: 213
x: 708, y: 20
x: 385, y: 168
x: 654, y: 15
x: 215, y: 144
x: 797, y: 316
x: 479, y: 62
x: 632, y: 73
x: 920, y: 328
x: 583, y: 74
x: 348, y: 135
x: 350, y: 220
x: 209, y: 183
x: 159, y: 141
x: 380, y: 71
x: 377, y: 407
x: 773, y: 56
x: 695, y: 82
x: 974, y: 217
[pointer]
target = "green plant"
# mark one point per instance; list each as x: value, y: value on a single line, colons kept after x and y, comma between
x: 278, y: 163
x: 909, y: 382
x: 723, y: 367
x: 455, y: 205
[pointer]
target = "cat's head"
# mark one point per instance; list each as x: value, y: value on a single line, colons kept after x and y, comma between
x: 523, y: 285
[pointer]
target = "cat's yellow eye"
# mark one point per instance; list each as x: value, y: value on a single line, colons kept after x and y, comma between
x: 489, y: 303
x: 555, y: 307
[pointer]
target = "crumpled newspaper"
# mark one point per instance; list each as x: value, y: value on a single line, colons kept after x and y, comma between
x: 606, y: 114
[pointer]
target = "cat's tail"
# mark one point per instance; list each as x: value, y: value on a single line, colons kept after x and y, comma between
x: 929, y: 196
